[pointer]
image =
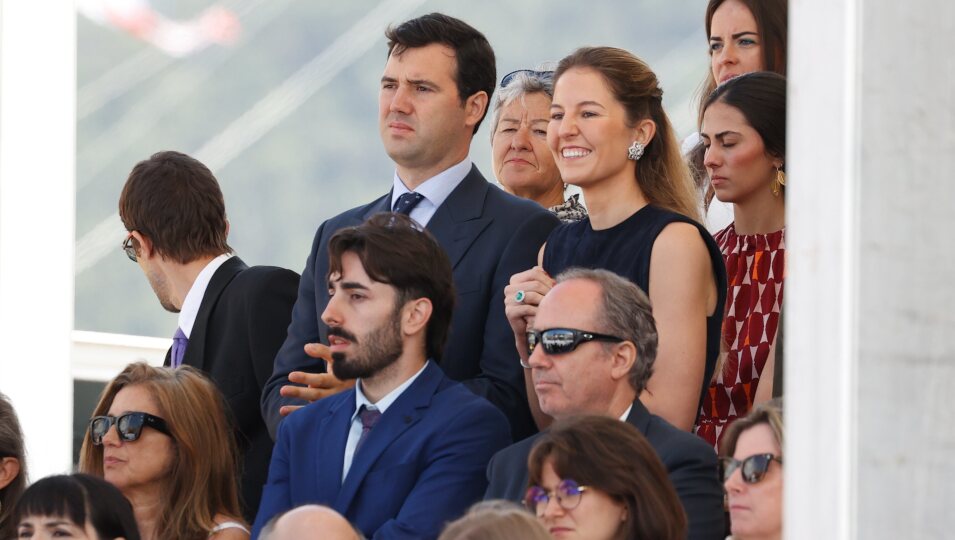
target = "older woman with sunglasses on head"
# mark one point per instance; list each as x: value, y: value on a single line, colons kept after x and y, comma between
x: 522, y: 161
x: 162, y: 437
x: 597, y: 478
x: 752, y: 470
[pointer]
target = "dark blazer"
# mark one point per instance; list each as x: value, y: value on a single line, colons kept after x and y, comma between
x: 489, y: 235
x: 690, y: 464
x: 421, y: 466
x: 242, y: 321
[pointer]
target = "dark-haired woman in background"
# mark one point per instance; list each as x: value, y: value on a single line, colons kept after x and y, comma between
x: 611, y: 137
x: 744, y: 133
x: 13, y: 472
x: 744, y: 36
x: 76, y: 506
x: 597, y: 478
x: 163, y: 438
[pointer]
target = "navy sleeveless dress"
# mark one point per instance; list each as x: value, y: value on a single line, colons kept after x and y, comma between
x: 625, y: 250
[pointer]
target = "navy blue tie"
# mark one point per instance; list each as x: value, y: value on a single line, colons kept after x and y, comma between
x: 407, y: 201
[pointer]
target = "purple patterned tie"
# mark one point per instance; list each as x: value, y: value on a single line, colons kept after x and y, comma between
x: 368, y: 417
x: 179, y: 344
x: 407, y: 201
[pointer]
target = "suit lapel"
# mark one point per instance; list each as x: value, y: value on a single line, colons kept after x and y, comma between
x: 459, y: 220
x: 381, y: 205
x: 639, y: 416
x: 405, y: 412
x: 333, y: 435
x: 195, y: 355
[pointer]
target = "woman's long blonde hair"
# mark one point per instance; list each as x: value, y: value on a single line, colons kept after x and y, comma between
x: 661, y: 173
x: 202, y: 482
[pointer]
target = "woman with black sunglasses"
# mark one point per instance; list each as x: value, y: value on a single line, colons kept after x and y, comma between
x: 752, y: 470
x: 597, y: 478
x: 163, y: 438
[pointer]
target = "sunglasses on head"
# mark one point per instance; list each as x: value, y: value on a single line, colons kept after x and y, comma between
x: 563, y: 340
x: 568, y: 495
x: 547, y: 76
x: 129, y: 426
x: 752, y: 468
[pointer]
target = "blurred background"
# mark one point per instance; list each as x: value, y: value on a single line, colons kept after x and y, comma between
x: 279, y: 99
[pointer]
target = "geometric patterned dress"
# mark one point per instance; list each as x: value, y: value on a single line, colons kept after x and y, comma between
x: 755, y: 268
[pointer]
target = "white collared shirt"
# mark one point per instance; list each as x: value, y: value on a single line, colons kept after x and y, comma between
x: 190, y: 305
x: 435, y: 190
x: 355, y: 432
x: 626, y: 413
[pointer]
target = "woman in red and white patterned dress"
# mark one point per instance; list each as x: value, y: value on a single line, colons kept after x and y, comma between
x: 744, y: 132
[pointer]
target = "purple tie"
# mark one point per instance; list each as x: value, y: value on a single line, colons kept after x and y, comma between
x: 368, y: 417
x: 407, y: 201
x: 179, y: 344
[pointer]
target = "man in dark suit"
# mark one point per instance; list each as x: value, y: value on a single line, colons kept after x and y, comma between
x: 572, y: 376
x: 434, y: 93
x: 232, y: 318
x: 405, y: 450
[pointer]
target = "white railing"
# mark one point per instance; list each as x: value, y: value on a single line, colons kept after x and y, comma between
x: 98, y: 356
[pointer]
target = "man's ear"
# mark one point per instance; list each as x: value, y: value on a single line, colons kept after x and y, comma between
x: 415, y: 316
x: 474, y: 108
x: 9, y: 469
x: 144, y: 246
x: 624, y: 355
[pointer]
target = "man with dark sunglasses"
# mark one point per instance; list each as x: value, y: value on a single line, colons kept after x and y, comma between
x: 590, y: 350
x: 434, y: 92
x: 232, y: 317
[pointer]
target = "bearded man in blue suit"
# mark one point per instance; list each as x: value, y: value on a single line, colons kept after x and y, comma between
x: 405, y: 450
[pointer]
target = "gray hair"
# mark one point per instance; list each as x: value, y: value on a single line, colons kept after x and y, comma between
x: 624, y: 312
x: 521, y: 84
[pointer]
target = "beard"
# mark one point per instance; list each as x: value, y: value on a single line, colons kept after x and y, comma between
x: 161, y: 288
x: 377, y: 350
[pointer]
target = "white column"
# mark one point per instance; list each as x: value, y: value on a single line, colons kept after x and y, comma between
x: 870, y: 294
x: 37, y: 140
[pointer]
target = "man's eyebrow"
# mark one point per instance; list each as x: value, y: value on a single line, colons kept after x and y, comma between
x: 352, y: 285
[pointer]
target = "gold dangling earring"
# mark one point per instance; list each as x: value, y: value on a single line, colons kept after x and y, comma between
x: 779, y: 181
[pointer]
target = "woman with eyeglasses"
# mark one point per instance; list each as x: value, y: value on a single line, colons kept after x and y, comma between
x: 13, y: 466
x: 520, y: 156
x: 75, y: 506
x: 752, y: 471
x: 611, y: 137
x: 597, y: 478
x: 162, y: 437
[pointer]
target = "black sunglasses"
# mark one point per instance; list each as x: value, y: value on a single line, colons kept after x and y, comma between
x: 129, y: 248
x: 568, y: 495
x: 546, y: 76
x: 563, y: 340
x: 752, y: 468
x: 129, y: 426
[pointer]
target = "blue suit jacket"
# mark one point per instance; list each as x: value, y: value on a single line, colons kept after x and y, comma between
x: 421, y: 466
x: 689, y: 461
x: 489, y: 235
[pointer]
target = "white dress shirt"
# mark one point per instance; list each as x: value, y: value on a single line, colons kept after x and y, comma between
x: 355, y: 432
x: 190, y: 305
x: 626, y: 413
x: 435, y: 190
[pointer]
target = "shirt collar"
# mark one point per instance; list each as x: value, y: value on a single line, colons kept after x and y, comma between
x: 437, y: 188
x: 190, y: 305
x: 389, y: 398
x: 626, y: 413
